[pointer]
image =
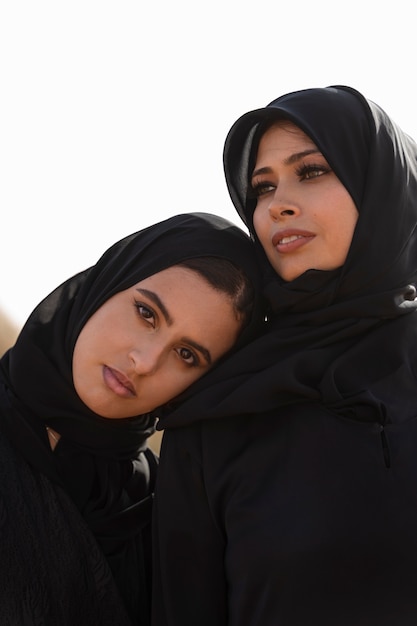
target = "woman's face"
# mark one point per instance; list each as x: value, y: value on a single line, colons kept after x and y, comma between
x: 304, y: 216
x: 146, y: 344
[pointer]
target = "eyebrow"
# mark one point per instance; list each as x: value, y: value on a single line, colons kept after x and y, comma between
x: 206, y: 354
x: 293, y: 158
x: 158, y: 302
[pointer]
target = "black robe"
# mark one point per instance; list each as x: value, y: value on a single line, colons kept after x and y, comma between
x: 52, y: 570
x: 75, y: 523
x: 287, y: 487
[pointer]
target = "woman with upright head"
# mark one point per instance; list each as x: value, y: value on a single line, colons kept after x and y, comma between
x: 78, y: 397
x: 299, y: 453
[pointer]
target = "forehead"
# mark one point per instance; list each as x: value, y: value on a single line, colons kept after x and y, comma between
x: 183, y: 287
x: 284, y: 135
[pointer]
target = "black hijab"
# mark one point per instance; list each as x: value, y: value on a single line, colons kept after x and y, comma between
x: 38, y: 369
x: 98, y: 460
x: 347, y: 337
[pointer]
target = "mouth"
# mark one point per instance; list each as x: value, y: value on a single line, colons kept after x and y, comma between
x: 290, y: 241
x: 118, y: 383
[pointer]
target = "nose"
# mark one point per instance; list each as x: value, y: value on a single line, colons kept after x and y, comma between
x: 281, y: 207
x: 145, y: 360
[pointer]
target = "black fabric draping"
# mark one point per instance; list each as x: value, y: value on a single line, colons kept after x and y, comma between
x: 103, y: 464
x: 346, y: 337
x: 38, y: 370
x: 286, y: 490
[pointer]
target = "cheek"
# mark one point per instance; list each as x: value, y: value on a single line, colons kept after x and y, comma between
x: 78, y: 356
x: 346, y: 219
x: 170, y: 384
x: 259, y: 224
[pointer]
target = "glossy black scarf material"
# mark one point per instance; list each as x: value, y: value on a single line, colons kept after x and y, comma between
x: 346, y: 337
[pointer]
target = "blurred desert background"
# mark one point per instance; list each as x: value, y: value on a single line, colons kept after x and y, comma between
x: 8, y: 332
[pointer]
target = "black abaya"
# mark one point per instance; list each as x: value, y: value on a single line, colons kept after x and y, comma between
x: 75, y: 522
x: 290, y: 474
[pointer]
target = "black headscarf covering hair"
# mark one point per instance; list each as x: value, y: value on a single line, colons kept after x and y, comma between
x: 98, y: 460
x: 347, y: 337
x: 38, y: 369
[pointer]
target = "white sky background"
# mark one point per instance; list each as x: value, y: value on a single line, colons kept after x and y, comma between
x: 113, y: 114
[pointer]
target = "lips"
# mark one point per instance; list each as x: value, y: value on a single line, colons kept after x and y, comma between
x: 290, y: 240
x: 118, y: 382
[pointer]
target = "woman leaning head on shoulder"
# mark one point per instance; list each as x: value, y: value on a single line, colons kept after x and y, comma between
x: 78, y: 395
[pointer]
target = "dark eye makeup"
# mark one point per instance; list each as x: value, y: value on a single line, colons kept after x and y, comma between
x: 149, y: 316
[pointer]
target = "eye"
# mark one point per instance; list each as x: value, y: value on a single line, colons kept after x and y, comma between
x: 188, y: 356
x: 145, y: 313
x: 312, y: 170
x: 261, y: 188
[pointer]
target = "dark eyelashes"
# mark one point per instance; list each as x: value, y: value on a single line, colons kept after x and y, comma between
x: 194, y: 358
x: 255, y: 189
x: 141, y: 308
x: 149, y: 316
x: 303, y: 171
